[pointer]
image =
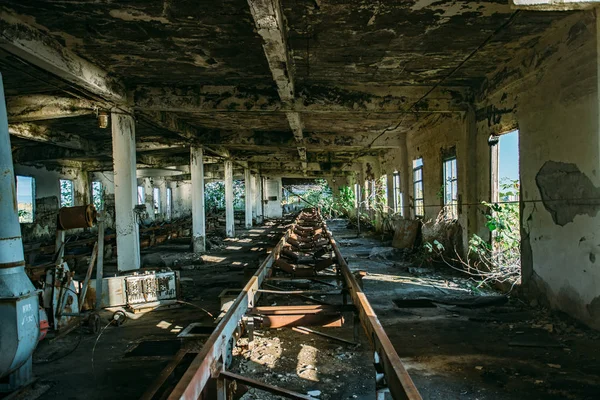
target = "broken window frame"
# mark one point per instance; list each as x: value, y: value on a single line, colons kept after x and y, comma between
x: 450, y: 186
x: 22, y: 212
x: 98, y: 195
x: 156, y: 203
x: 418, y: 201
x: 169, y: 205
x: 141, y: 195
x: 66, y: 189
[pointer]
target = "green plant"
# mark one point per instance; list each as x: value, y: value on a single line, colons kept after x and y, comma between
x: 498, y: 261
x: 214, y: 196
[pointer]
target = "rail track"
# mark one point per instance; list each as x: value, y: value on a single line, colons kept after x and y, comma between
x: 306, y: 251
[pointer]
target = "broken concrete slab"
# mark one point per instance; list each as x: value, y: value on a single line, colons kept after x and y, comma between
x: 405, y: 233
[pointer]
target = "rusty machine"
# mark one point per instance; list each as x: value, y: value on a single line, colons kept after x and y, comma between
x: 307, y: 252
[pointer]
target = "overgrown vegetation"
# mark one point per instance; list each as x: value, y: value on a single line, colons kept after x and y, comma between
x: 498, y: 262
x: 320, y: 195
x: 214, y: 196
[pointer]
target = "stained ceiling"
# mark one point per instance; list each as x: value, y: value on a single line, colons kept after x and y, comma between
x: 356, y: 66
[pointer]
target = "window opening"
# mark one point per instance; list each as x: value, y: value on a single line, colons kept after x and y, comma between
x: 156, y: 200
x: 397, y: 191
x: 450, y: 188
x: 67, y: 196
x: 169, y: 203
x: 98, y: 195
x: 140, y: 195
x: 419, y: 203
x: 25, y: 199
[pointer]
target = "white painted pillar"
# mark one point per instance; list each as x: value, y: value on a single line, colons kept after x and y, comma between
x: 254, y: 201
x: 229, y: 217
x: 198, y: 210
x: 260, y: 214
x: 124, y: 164
x: 248, y: 197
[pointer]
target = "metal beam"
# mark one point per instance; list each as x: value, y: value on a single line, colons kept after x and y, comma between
x: 40, y: 49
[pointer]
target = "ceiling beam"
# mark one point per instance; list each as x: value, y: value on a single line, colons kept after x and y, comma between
x: 554, y: 5
x: 42, y: 107
x: 43, y: 134
x: 40, y: 49
x: 269, y: 21
x: 313, y: 99
x: 32, y: 154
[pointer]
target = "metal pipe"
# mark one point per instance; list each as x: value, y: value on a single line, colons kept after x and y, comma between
x: 19, y: 308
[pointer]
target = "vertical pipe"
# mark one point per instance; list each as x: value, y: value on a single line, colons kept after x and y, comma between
x: 229, y: 217
x: 12, y: 258
x: 248, y: 197
x: 19, y: 308
x: 198, y: 207
x: 128, y: 239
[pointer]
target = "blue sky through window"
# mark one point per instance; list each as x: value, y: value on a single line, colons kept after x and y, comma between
x: 508, y: 156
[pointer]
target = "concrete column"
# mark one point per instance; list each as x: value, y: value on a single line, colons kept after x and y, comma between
x: 405, y: 176
x: 149, y: 198
x: 128, y: 237
x: 258, y: 197
x: 229, y: 217
x: 198, y: 211
x: 248, y: 197
x: 254, y: 202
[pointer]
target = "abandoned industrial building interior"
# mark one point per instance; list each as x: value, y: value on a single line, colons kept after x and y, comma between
x: 305, y: 199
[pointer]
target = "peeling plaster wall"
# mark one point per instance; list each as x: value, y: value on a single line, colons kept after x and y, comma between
x: 551, y: 94
x: 47, y: 198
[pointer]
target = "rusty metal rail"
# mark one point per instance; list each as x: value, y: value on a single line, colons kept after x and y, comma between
x: 209, y: 364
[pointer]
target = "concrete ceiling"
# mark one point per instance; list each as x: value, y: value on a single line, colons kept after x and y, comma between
x: 302, y: 85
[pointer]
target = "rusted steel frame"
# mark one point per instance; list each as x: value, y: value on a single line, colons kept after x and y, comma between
x: 202, y: 367
x: 398, y: 380
x: 288, y: 394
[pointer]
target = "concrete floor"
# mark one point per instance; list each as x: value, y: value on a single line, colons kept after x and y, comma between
x: 458, y: 353
x: 451, y: 352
